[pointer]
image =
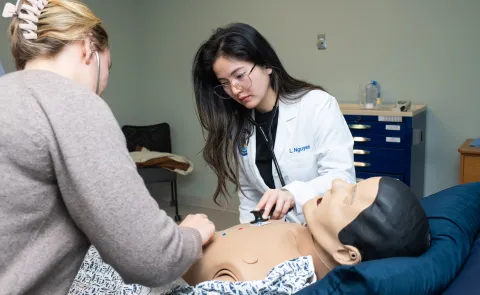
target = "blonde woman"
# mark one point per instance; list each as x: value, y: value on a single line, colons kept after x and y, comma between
x: 67, y: 180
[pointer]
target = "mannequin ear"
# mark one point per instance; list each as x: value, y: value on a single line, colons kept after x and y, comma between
x: 347, y: 255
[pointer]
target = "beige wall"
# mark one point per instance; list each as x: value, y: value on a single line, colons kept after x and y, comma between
x: 122, y: 93
x: 5, y: 56
x: 425, y: 51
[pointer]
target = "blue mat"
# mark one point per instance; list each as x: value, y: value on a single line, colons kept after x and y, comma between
x: 475, y: 143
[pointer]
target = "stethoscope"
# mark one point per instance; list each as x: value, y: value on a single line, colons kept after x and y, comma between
x: 98, y: 74
x: 268, y: 139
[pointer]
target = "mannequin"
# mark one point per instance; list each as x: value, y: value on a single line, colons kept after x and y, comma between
x: 376, y: 218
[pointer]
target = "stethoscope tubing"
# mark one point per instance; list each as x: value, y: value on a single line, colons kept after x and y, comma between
x: 272, y: 153
x: 269, y: 143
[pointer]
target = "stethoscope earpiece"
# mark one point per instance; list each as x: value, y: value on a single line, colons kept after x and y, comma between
x: 98, y: 73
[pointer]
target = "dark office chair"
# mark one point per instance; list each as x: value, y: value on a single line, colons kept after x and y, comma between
x: 155, y: 138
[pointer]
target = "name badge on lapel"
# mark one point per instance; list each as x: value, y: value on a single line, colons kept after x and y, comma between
x: 243, y: 149
x: 244, y: 143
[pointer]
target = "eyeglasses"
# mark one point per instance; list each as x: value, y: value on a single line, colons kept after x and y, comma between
x: 241, y: 81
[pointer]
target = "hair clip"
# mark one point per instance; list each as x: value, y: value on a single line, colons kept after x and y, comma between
x: 10, y: 10
x: 30, y: 16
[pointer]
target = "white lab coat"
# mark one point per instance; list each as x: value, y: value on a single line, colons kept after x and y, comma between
x: 313, y: 146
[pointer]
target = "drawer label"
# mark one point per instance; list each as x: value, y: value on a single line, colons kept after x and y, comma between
x: 393, y: 139
x: 389, y: 119
x: 392, y: 127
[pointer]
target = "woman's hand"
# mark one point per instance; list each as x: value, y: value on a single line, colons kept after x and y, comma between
x: 200, y: 222
x: 283, y: 200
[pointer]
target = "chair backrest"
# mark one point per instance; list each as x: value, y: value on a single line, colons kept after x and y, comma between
x: 153, y: 137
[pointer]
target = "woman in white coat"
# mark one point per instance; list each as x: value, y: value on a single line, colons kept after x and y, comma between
x: 281, y: 141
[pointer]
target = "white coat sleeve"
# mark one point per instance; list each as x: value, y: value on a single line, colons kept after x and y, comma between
x: 248, y: 199
x: 334, y: 146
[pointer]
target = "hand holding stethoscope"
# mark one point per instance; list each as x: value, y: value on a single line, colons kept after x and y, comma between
x: 277, y: 201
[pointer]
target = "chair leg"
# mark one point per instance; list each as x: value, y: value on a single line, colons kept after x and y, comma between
x: 178, y: 217
x: 172, y: 188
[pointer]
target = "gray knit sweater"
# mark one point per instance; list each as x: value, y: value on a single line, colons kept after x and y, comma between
x: 67, y: 180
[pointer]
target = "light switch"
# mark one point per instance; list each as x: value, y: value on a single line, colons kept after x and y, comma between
x: 321, y: 42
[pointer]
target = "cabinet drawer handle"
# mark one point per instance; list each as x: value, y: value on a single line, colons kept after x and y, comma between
x: 359, y: 126
x: 361, y: 152
x: 361, y: 164
x: 361, y: 139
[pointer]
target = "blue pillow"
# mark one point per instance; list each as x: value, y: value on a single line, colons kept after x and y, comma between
x: 454, y: 218
x: 467, y: 281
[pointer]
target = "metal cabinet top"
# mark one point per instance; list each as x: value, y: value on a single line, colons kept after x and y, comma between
x: 383, y: 110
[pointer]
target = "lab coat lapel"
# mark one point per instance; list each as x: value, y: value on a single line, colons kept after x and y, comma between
x: 285, y: 127
x: 285, y: 131
x: 252, y: 153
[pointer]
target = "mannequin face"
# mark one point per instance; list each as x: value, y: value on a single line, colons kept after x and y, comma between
x: 326, y: 216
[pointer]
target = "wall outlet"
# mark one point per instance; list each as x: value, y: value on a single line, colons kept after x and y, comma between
x: 321, y: 42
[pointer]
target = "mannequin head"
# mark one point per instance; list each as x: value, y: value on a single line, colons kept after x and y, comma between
x: 376, y: 218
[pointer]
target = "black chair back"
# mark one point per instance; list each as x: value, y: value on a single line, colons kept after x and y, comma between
x: 153, y: 137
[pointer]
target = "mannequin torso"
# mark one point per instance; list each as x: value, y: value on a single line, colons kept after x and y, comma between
x: 229, y: 258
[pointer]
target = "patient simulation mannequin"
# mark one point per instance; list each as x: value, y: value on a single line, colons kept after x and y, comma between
x: 376, y: 218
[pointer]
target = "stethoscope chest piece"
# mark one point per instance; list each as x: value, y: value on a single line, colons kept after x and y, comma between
x: 258, y: 216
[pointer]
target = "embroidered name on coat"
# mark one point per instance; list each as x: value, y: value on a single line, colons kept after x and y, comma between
x: 299, y: 149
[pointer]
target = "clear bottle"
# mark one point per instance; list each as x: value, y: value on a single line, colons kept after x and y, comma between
x: 372, y: 93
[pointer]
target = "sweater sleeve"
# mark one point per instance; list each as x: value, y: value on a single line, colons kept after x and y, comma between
x: 107, y: 198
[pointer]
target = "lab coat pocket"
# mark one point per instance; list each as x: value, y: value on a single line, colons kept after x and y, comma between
x: 301, y: 167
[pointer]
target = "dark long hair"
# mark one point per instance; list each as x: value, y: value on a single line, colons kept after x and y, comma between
x: 222, y: 120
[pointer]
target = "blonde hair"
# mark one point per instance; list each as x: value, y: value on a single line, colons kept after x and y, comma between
x: 61, y: 22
